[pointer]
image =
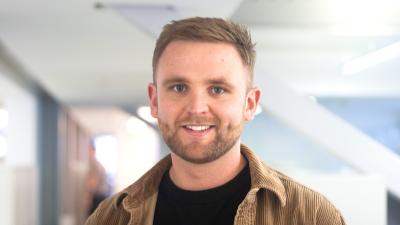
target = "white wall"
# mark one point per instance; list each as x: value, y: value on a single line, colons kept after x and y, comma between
x: 22, y: 130
x: 22, y: 126
x: 360, y: 198
x: 21, y: 135
x: 7, y: 206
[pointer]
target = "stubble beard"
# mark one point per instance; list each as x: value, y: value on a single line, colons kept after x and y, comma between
x: 225, y: 138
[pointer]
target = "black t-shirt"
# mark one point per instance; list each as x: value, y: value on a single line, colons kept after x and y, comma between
x: 217, y: 206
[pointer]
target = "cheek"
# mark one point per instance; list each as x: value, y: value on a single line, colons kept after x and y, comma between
x: 231, y: 112
x: 167, y: 110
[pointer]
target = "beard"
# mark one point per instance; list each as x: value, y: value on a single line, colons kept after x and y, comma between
x: 197, y: 152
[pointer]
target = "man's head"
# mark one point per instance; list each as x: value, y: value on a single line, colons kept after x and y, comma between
x: 201, y: 95
x: 208, y: 30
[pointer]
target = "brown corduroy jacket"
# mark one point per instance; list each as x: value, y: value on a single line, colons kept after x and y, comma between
x: 273, y: 199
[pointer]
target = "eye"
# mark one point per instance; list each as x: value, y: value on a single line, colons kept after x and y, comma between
x: 216, y: 90
x: 179, y: 88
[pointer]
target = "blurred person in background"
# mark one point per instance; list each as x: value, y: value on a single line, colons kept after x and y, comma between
x: 202, y: 95
x: 97, y: 186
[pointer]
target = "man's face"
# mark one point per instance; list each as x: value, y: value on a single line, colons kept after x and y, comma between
x: 201, y: 99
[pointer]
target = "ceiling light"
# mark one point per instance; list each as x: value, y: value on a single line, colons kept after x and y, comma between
x: 367, y: 30
x: 372, y: 59
x: 362, y: 17
x: 361, y: 11
x: 144, y: 113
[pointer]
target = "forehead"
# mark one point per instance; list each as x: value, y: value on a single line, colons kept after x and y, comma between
x: 201, y: 59
x: 210, y: 50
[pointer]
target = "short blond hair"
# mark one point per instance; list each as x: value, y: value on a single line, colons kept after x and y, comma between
x: 207, y: 30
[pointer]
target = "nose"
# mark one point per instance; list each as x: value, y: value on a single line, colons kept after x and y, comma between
x: 197, y: 103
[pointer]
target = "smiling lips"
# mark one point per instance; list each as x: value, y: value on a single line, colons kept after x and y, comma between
x: 198, y: 130
x: 198, y: 127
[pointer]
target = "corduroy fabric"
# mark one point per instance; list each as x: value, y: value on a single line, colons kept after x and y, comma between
x: 274, y: 199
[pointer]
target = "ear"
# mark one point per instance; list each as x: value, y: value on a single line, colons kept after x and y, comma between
x: 152, y: 92
x: 252, y: 101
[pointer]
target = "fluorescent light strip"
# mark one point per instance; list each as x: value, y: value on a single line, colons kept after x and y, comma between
x: 372, y: 59
x: 360, y: 30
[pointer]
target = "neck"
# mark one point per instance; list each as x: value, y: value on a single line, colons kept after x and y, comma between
x: 196, y: 177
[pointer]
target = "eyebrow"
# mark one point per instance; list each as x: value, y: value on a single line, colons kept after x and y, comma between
x: 212, y: 81
x: 219, y: 81
x: 173, y: 80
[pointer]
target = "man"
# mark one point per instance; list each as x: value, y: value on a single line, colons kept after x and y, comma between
x: 97, y: 186
x: 202, y: 95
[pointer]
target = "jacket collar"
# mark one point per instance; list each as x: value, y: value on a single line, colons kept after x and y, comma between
x: 262, y: 177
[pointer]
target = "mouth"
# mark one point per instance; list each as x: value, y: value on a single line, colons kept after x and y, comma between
x: 198, y: 129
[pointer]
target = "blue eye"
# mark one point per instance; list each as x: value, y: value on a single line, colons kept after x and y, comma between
x: 217, y: 90
x: 179, y: 88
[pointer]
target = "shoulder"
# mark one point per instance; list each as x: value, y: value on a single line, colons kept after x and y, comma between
x: 110, y: 212
x: 308, y: 204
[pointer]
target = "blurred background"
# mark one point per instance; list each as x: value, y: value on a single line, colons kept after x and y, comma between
x: 74, y: 121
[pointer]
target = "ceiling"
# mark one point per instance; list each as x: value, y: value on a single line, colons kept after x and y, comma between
x: 99, y: 52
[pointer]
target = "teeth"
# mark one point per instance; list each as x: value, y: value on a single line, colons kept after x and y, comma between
x: 198, y: 128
